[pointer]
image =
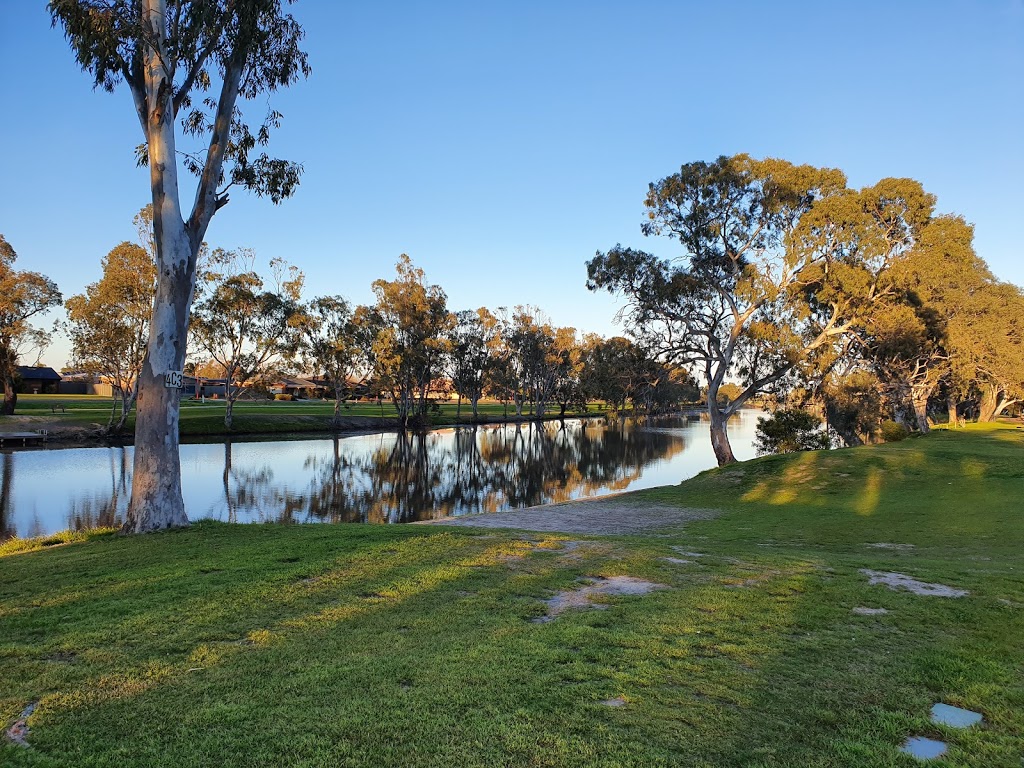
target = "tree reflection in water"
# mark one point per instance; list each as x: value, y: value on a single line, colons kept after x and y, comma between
x: 477, y: 469
x: 385, y: 478
x: 106, y: 509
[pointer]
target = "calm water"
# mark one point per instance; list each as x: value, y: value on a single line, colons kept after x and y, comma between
x: 379, y: 478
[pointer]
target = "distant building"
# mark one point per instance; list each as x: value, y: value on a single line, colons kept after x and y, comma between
x: 38, y: 380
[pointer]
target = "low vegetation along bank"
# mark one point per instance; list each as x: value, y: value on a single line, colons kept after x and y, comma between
x: 418, y: 646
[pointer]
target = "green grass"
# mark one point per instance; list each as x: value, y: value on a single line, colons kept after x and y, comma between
x: 250, y: 417
x: 412, y: 646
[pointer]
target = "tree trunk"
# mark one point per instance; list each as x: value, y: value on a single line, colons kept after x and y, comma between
x: 951, y: 410
x: 229, y: 411
x: 921, y: 413
x: 989, y: 405
x: 458, y: 409
x: 156, y: 501
x: 336, y: 419
x: 127, y: 401
x: 10, y: 395
x: 720, y: 435
x: 7, y: 529
x: 476, y: 401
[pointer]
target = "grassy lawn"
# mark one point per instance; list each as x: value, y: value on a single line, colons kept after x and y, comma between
x: 413, y: 646
x: 250, y: 417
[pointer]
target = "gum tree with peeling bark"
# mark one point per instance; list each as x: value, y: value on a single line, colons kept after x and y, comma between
x: 171, y: 54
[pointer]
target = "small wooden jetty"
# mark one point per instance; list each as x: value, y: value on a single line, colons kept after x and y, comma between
x: 25, y: 437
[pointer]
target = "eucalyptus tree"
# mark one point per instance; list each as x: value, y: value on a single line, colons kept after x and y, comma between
x: 473, y: 337
x: 244, y: 326
x: 530, y: 340
x: 566, y: 361
x: 410, y: 322
x: 732, y: 302
x: 336, y: 346
x: 611, y: 366
x: 906, y: 278
x: 23, y: 296
x: 189, y: 65
x: 987, y: 352
x: 109, y: 324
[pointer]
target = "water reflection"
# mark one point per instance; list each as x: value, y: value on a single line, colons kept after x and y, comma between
x: 482, y: 469
x: 381, y: 478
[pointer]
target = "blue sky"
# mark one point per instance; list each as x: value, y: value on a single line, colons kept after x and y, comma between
x: 501, y: 145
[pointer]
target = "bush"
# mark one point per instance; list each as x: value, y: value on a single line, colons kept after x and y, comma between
x: 789, y: 430
x: 893, y: 432
x: 283, y: 397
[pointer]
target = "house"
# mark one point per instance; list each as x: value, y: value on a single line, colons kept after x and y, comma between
x: 297, y: 387
x: 37, y: 380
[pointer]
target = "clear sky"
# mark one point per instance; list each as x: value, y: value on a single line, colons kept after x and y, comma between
x: 501, y: 144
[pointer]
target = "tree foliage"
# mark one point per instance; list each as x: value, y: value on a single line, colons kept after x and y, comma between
x: 246, y: 327
x: 336, y: 346
x: 410, y: 323
x: 23, y: 297
x: 473, y: 337
x: 789, y: 430
x: 108, y: 324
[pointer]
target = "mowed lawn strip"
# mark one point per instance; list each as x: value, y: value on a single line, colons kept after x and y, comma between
x: 355, y: 645
x: 257, y: 417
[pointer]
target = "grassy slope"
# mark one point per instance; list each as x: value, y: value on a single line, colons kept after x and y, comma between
x: 373, y: 646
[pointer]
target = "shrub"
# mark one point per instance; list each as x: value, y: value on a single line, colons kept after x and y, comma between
x: 282, y: 397
x: 893, y: 432
x: 789, y: 430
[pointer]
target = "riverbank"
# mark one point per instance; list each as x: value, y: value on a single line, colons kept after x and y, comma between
x: 80, y: 421
x: 761, y: 639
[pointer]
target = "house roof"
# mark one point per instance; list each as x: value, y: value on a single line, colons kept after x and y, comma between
x: 42, y: 372
x: 301, y: 383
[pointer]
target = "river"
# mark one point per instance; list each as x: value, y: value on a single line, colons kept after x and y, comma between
x: 377, y: 478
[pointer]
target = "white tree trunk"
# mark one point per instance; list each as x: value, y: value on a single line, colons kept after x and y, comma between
x: 156, y: 480
x: 156, y: 500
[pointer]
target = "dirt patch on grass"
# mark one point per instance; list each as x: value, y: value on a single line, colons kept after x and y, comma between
x: 900, y: 581
x: 19, y: 730
x: 582, y: 597
x: 622, y: 514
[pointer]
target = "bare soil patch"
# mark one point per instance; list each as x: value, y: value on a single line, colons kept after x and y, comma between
x: 19, y: 730
x: 898, y: 581
x: 862, y: 611
x: 583, y: 596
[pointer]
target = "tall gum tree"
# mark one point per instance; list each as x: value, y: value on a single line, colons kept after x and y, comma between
x: 170, y: 53
x: 732, y: 302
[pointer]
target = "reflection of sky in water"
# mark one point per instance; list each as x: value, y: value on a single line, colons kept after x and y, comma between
x: 379, y: 477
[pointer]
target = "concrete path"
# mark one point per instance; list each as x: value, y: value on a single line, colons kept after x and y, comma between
x: 620, y: 514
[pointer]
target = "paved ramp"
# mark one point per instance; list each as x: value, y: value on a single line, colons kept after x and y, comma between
x: 622, y: 514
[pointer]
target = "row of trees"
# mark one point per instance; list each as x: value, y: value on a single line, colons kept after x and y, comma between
x: 248, y: 328
x: 794, y: 284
